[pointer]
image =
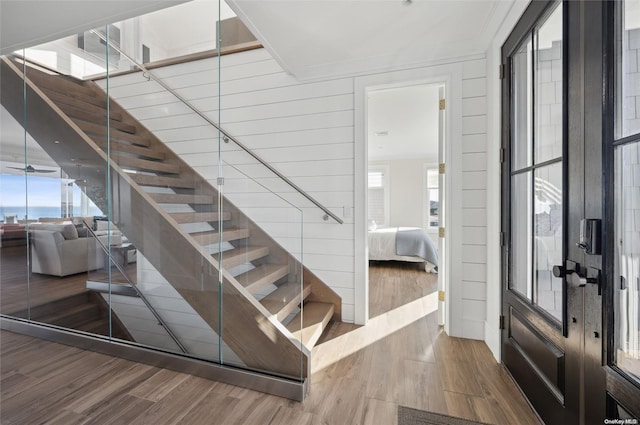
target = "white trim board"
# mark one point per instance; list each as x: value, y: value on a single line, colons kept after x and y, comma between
x: 494, y: 211
x: 451, y: 76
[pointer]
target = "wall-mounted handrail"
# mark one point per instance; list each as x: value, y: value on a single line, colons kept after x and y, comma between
x: 226, y: 136
x: 135, y: 288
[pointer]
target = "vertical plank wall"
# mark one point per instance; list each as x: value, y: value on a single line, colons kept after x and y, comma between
x: 306, y: 131
x: 474, y: 198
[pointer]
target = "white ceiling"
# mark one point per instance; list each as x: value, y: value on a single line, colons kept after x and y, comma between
x: 409, y: 116
x: 319, y: 38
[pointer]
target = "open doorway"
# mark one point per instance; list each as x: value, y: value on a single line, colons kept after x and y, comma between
x: 405, y: 196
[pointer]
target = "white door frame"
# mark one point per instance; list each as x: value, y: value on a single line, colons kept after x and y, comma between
x: 451, y: 76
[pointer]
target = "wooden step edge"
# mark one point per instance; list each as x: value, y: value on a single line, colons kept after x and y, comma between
x: 176, y: 198
x: 315, y: 318
x: 60, y: 83
x: 138, y: 164
x: 262, y: 276
x: 61, y: 101
x: 242, y: 255
x: 97, y: 116
x: 101, y: 129
x: 81, y: 117
x: 284, y: 300
x: 127, y: 148
x: 75, y: 99
x: 204, y: 217
x: 162, y: 181
x: 213, y: 236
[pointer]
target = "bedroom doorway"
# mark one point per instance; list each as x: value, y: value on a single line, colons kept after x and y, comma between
x: 405, y: 191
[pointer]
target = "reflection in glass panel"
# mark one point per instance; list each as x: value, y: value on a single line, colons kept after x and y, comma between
x: 627, y: 259
x: 629, y: 69
x: 521, y: 107
x: 521, y: 211
x: 157, y: 36
x: 548, y: 237
x: 548, y: 88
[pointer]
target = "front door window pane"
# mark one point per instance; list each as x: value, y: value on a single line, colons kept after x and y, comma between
x: 629, y: 69
x: 521, y: 89
x: 627, y: 259
x: 548, y: 237
x: 521, y: 246
x: 548, y: 88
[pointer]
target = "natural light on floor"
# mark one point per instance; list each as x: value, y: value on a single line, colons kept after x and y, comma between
x: 379, y: 327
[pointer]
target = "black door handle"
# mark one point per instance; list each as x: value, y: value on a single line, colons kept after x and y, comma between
x: 565, y: 269
x: 578, y: 280
x: 590, y: 276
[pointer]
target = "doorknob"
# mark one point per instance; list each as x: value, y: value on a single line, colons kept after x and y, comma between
x: 578, y: 280
x: 590, y: 276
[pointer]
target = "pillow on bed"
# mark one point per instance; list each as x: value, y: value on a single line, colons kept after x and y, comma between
x: 372, y: 225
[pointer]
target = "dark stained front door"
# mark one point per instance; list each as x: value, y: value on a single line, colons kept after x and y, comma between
x: 571, y: 209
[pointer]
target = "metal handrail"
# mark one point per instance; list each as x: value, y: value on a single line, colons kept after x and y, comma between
x: 226, y: 136
x: 140, y: 294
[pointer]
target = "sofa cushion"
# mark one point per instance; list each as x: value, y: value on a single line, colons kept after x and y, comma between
x: 68, y: 231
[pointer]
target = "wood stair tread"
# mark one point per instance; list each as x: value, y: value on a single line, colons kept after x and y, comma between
x: 79, y: 115
x: 61, y: 100
x: 262, y: 276
x: 76, y: 98
x: 163, y: 181
x: 314, y: 317
x: 114, y: 134
x: 286, y: 299
x: 146, y: 165
x: 237, y: 256
x: 214, y: 236
x: 120, y: 147
x: 88, y: 114
x: 59, y: 83
x: 179, y: 198
x: 200, y: 217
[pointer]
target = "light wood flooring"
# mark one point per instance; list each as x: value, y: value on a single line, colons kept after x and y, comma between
x: 360, y: 375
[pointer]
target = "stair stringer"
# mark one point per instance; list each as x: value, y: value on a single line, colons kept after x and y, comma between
x: 247, y: 328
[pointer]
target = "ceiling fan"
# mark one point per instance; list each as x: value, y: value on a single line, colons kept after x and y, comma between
x: 31, y: 169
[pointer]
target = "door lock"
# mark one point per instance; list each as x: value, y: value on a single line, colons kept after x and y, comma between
x: 579, y: 276
x: 590, y: 230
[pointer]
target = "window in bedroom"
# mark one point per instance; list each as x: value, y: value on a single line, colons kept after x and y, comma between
x: 431, y: 202
x: 378, y: 196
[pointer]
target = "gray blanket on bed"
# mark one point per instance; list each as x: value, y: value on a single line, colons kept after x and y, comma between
x: 417, y: 243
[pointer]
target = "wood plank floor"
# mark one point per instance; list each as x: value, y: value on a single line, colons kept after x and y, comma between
x: 16, y: 294
x: 360, y: 375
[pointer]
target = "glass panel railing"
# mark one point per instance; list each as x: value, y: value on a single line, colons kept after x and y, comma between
x: 170, y: 35
x: 206, y: 232
x: 14, y: 244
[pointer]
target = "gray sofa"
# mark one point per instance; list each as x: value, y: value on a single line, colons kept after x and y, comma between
x: 59, y: 250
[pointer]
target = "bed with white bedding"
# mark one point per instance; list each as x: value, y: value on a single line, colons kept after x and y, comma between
x: 403, y: 244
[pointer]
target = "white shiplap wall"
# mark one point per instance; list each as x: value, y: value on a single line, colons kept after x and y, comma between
x: 306, y: 130
x: 474, y: 198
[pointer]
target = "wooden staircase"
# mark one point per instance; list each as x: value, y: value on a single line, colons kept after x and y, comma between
x: 68, y: 118
x: 86, y: 311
